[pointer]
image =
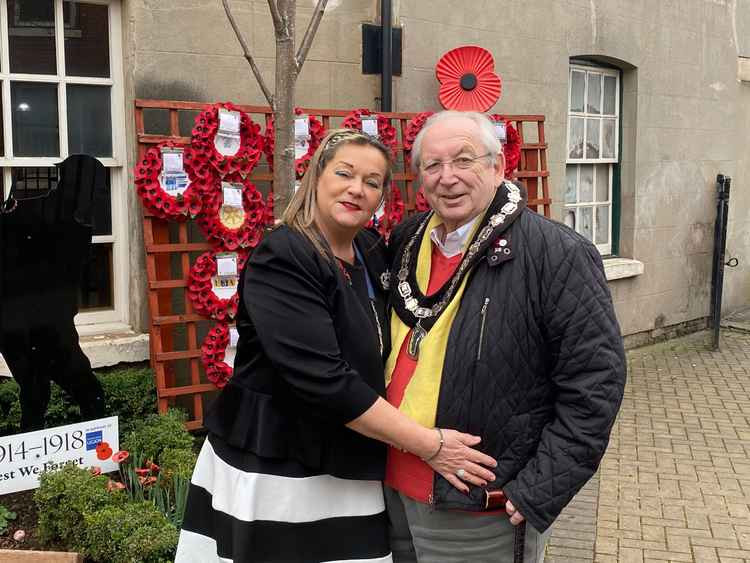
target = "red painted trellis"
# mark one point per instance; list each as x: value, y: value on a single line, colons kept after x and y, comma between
x: 171, y: 248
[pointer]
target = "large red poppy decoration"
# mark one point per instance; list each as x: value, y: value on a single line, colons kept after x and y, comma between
x: 386, y: 131
x: 179, y: 205
x: 317, y: 132
x: 467, y: 79
x: 213, y: 355
x: 412, y: 130
x: 207, y: 300
x: 204, y: 139
x: 231, y: 227
x: 512, y: 145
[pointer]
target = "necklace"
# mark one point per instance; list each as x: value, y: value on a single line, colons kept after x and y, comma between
x: 370, y: 294
x: 420, y: 311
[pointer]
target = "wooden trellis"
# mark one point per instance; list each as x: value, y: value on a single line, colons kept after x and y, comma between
x: 176, y: 332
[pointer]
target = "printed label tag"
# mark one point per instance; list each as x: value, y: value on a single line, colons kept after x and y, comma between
x: 370, y: 125
x: 226, y: 264
x: 232, y: 194
x: 301, y: 126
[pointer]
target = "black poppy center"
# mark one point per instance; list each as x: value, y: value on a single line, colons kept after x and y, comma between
x: 468, y: 81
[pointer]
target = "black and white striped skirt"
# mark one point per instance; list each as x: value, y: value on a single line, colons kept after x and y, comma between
x: 242, y: 508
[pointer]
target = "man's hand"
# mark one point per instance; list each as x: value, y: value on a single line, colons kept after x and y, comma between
x: 515, y: 517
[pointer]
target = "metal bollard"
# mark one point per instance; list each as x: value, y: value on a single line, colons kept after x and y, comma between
x: 720, y: 242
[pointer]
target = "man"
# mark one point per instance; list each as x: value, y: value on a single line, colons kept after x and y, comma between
x: 503, y: 327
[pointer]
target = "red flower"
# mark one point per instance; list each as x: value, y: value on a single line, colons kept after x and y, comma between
x: 412, y: 130
x: 146, y: 481
x: 154, y: 468
x: 142, y: 472
x: 115, y: 485
x: 103, y: 451
x: 120, y: 456
x: 393, y: 212
x: 468, y: 80
x: 213, y: 352
x: 386, y: 131
x: 511, y: 147
x: 421, y: 203
x: 95, y: 470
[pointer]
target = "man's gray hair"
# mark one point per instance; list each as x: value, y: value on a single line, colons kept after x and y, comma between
x: 487, y: 135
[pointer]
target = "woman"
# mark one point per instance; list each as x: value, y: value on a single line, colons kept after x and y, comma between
x: 289, y: 472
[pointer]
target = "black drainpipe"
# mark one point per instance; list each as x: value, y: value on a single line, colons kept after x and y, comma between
x: 386, y: 78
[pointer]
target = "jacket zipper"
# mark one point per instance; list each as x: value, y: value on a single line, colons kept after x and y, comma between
x: 481, y: 328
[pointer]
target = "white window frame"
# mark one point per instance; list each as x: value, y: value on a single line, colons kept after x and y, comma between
x: 605, y: 248
x: 118, y: 314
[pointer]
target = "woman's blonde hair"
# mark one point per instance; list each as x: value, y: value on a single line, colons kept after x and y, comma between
x: 300, y: 213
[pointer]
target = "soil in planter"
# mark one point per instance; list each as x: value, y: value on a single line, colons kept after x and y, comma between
x: 26, y: 519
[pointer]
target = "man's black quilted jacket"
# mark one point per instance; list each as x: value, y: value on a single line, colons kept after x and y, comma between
x: 534, y: 365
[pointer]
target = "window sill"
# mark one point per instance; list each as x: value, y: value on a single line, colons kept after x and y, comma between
x: 619, y: 268
x: 106, y: 348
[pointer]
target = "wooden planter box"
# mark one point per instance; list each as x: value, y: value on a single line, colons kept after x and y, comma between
x: 26, y: 556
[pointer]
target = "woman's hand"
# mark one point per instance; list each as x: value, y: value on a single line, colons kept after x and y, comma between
x: 459, y: 463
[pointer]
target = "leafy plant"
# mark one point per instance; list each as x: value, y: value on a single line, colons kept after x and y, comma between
x: 5, y: 517
x: 158, y: 432
x: 134, y: 531
x: 65, y: 497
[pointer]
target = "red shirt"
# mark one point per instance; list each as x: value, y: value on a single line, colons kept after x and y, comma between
x: 404, y: 471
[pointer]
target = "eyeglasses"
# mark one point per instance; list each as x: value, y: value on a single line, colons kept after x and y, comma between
x: 460, y: 162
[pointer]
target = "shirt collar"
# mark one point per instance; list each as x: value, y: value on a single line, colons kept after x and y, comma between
x: 454, y: 241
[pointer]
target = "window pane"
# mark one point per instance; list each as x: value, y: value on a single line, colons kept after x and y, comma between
x: 2, y: 130
x: 87, y: 40
x: 593, y: 98
x: 602, y: 182
x: 102, y: 214
x: 577, y: 88
x: 96, y: 282
x: 608, y: 140
x: 571, y: 173
x: 586, y: 218
x: 610, y: 95
x: 575, y: 141
x: 592, y: 138
x: 89, y: 120
x: 31, y: 36
x: 602, y: 224
x: 570, y: 218
x: 34, y: 118
x: 586, y: 187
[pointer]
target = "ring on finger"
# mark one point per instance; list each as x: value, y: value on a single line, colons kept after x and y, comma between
x: 461, y: 473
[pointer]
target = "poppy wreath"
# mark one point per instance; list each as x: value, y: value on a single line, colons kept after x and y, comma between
x: 317, y: 132
x: 200, y: 291
x: 227, y: 230
x: 412, y: 130
x: 153, y: 196
x: 421, y: 203
x: 204, y: 133
x: 386, y: 131
x: 268, y: 218
x: 512, y: 145
x: 213, y: 352
x: 393, y: 213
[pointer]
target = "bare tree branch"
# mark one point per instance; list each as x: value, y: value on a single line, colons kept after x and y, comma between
x: 275, y: 16
x: 248, y: 55
x: 312, y: 28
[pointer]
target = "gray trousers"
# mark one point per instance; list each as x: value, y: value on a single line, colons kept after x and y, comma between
x: 419, y: 533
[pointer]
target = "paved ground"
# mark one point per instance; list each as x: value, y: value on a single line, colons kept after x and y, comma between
x: 675, y: 482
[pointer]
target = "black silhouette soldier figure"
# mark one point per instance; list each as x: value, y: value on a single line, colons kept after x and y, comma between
x: 45, y: 238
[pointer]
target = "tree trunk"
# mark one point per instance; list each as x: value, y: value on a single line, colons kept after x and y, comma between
x: 286, y: 78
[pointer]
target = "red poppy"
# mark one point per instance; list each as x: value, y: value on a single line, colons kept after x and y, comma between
x: 421, y: 203
x: 200, y: 291
x: 95, y: 470
x: 317, y: 132
x: 120, y: 456
x: 142, y: 472
x: 467, y: 79
x: 412, y: 130
x: 386, y: 131
x: 115, y: 485
x: 213, y: 352
x: 512, y: 145
x: 146, y: 481
x: 103, y: 451
x: 154, y: 468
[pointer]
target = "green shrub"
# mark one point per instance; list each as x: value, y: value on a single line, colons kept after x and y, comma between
x: 156, y: 433
x: 177, y: 463
x: 5, y: 517
x: 64, y: 498
x: 132, y: 532
x: 129, y: 393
